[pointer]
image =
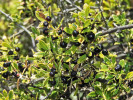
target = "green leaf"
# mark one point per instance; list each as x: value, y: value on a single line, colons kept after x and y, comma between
x: 82, y: 59
x: 4, y: 44
x: 122, y: 62
x: 86, y: 9
x: 68, y: 30
x: 76, y: 92
x: 60, y: 22
x: 129, y: 75
x: 41, y: 65
x: 86, y: 80
x: 67, y: 59
x: 4, y: 93
x: 35, y: 30
x: 1, y: 95
x: 40, y: 37
x: 38, y: 16
x: 39, y: 54
x: 10, y: 94
x: 98, y: 90
x: 92, y: 94
x: 86, y: 23
x: 42, y: 46
x: 113, y: 60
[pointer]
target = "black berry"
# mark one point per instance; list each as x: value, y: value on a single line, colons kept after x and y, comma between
x: 131, y: 40
x: 16, y: 57
x: 45, y: 24
x: 118, y: 67
x: 52, y: 82
x: 97, y: 50
x: 6, y: 74
x: 77, y: 44
x: 6, y: 64
x: 63, y: 44
x: 48, y: 18
x: 101, y: 80
x: 73, y: 73
x: 130, y: 84
x: 52, y: 74
x: 74, y: 62
x: 17, y: 49
x: 45, y: 31
x: 54, y: 38
x: 20, y: 66
x: 15, y: 74
x: 64, y: 79
x: 10, y: 52
x: 105, y: 52
x: 53, y: 70
x: 75, y: 33
x: 91, y: 36
x: 59, y: 31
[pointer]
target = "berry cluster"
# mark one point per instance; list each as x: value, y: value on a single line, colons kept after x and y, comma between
x: 45, y: 24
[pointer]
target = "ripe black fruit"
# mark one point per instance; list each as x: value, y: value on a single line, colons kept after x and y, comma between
x: 48, y: 18
x: 45, y: 31
x: 97, y: 50
x: 16, y: 57
x: 6, y: 74
x: 73, y: 73
x: 63, y: 44
x: 45, y: 24
x: 20, y: 66
x: 118, y: 67
x: 59, y: 31
x: 10, y: 52
x: 53, y: 70
x: 54, y: 38
x: 77, y: 44
x: 15, y: 74
x: 130, y: 84
x: 64, y: 79
x: 105, y: 52
x: 52, y: 82
x: 74, y: 62
x: 131, y: 40
x: 6, y: 64
x: 17, y: 49
x: 101, y: 80
x: 52, y: 74
x: 91, y: 36
x: 75, y: 33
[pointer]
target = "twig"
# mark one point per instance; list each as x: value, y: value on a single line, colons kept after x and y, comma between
x: 21, y: 31
x: 68, y: 1
x: 33, y: 41
x: 21, y: 85
x: 102, y: 15
x: 48, y: 94
x: 104, y: 20
x: 122, y: 55
x: 115, y: 29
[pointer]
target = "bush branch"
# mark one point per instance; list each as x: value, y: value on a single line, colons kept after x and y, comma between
x: 116, y: 29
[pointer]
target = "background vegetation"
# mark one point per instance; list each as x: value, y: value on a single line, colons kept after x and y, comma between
x: 66, y: 49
